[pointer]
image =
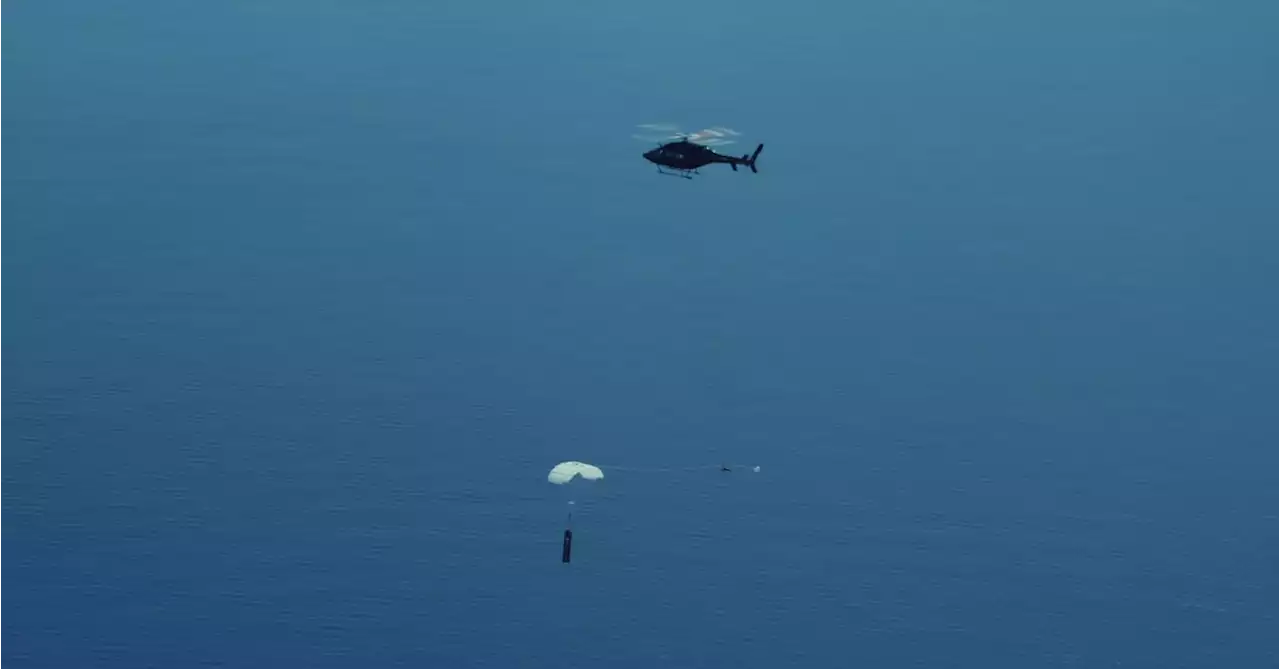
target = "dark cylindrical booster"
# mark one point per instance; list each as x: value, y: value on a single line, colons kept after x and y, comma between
x: 568, y: 546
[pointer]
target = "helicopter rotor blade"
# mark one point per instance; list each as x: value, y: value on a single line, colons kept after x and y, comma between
x: 666, y: 132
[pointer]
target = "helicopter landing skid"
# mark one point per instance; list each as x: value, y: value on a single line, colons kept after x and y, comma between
x: 685, y: 174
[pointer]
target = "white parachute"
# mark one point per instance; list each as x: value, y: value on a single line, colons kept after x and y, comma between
x: 566, y: 471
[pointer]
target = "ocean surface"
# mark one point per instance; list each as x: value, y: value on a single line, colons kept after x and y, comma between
x: 306, y: 298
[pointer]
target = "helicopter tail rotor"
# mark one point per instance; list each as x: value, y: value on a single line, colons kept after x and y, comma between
x: 751, y: 160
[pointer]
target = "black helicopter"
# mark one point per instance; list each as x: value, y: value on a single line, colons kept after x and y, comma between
x: 684, y: 156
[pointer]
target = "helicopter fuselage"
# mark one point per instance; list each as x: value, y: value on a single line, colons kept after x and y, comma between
x: 686, y: 156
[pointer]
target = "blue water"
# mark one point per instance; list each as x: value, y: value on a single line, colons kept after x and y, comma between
x: 305, y: 299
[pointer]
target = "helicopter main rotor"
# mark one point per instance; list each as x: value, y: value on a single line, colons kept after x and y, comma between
x: 663, y: 133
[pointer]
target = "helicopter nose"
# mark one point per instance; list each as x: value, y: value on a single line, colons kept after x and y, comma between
x: 651, y: 155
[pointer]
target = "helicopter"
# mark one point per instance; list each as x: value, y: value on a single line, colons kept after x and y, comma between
x: 689, y: 152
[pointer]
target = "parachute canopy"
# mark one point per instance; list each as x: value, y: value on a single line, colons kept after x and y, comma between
x: 565, y: 471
